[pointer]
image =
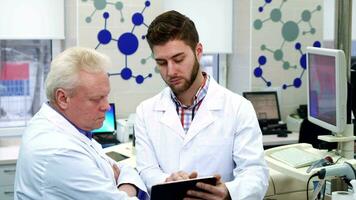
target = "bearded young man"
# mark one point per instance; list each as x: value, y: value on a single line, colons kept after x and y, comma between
x: 195, y: 127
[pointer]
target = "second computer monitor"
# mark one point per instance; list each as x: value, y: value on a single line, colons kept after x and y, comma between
x: 327, y: 88
x: 266, y: 106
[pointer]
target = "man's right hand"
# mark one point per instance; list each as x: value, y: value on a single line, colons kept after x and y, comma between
x: 181, y: 175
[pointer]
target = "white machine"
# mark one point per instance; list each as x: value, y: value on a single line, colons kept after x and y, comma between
x: 125, y: 128
x: 345, y: 171
x: 327, y: 107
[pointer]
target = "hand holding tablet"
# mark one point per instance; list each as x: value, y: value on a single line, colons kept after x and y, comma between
x: 177, y: 190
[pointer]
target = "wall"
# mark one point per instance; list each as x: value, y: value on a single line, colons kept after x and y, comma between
x: 127, y: 94
x: 269, y: 44
x: 87, y: 26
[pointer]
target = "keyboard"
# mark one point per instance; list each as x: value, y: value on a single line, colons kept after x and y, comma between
x: 295, y: 157
x: 275, y: 132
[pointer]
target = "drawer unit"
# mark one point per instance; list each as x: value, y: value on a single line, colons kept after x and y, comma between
x: 7, y: 192
x: 7, y: 175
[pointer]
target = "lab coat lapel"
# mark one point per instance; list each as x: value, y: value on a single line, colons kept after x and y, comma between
x: 63, y: 124
x: 68, y: 129
x: 205, y: 119
x: 213, y: 102
x: 169, y: 117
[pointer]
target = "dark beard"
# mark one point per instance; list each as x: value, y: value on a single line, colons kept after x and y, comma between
x: 188, y: 83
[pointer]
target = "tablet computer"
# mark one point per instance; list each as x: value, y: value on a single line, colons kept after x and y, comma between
x: 177, y: 190
x: 116, y: 156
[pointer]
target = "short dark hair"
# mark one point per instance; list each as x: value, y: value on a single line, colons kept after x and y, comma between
x: 169, y: 26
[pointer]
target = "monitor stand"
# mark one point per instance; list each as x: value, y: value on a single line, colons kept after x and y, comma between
x: 345, y: 141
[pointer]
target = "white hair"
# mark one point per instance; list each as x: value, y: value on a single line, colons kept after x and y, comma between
x: 65, y: 68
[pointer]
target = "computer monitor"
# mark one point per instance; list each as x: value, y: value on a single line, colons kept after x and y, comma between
x: 327, y: 88
x: 266, y: 106
x: 109, y: 124
x: 353, y: 86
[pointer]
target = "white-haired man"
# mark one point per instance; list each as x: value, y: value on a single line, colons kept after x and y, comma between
x: 58, y: 158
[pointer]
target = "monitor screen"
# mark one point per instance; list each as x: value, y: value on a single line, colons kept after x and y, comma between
x: 327, y: 88
x: 265, y: 104
x: 109, y: 124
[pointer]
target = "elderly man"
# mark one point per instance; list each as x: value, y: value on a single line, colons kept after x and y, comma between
x: 58, y: 158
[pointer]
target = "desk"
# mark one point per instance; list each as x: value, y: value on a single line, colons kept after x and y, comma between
x: 280, y: 186
x: 128, y: 150
x: 273, y: 140
x: 125, y: 149
x: 9, y: 150
x: 299, y: 173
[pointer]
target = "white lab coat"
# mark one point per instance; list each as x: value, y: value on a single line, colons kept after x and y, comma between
x: 224, y: 138
x: 56, y: 161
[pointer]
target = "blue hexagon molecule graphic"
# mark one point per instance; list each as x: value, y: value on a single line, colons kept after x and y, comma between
x: 127, y: 44
x: 101, y: 5
x: 290, y: 32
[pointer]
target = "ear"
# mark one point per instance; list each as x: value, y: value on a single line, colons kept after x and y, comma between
x: 62, y: 98
x: 199, y: 50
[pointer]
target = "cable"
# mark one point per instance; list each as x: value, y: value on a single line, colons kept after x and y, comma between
x: 338, y: 160
x: 324, y: 188
x: 312, y: 176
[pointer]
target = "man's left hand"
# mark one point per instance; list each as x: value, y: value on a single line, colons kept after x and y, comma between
x: 210, y: 192
x: 116, y: 170
x: 130, y: 189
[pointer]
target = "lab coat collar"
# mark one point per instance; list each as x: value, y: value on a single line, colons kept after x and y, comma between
x: 214, y: 101
x: 62, y: 123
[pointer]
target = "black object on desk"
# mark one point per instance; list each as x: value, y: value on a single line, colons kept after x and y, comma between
x: 309, y: 133
x: 275, y: 129
x: 279, y: 133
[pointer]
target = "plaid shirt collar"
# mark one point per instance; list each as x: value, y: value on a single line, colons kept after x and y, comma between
x: 199, y: 96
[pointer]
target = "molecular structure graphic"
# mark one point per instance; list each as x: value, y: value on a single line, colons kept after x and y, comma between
x: 127, y: 44
x: 290, y: 31
x: 101, y: 5
x: 297, y: 82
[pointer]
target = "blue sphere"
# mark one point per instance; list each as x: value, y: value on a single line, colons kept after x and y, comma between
x: 137, y: 19
x: 298, y: 45
x: 317, y: 44
x: 104, y: 36
x: 126, y: 73
x: 297, y: 82
x: 139, y: 79
x: 262, y: 60
x: 303, y: 61
x: 106, y: 15
x: 127, y: 43
x: 258, y: 72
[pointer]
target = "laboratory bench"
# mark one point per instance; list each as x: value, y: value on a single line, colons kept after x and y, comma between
x: 9, y: 150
